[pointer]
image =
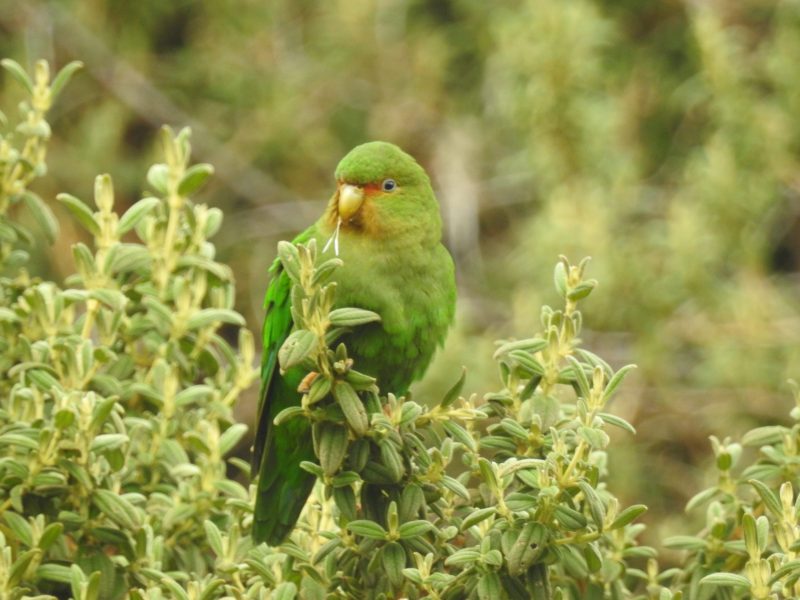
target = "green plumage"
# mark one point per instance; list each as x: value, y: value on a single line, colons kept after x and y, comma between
x: 395, y: 265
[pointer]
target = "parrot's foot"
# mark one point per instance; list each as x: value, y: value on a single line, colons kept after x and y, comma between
x: 305, y: 385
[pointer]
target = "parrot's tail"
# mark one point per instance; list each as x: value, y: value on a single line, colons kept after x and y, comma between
x: 283, y: 488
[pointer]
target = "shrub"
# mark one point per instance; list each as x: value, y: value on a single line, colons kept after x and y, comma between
x: 117, y: 388
x: 116, y: 392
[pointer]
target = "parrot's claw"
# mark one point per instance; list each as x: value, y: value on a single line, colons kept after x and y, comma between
x: 305, y: 385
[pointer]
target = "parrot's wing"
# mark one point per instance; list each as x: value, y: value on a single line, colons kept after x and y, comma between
x: 277, y: 327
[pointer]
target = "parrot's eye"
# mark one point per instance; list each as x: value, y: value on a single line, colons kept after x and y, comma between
x: 389, y: 185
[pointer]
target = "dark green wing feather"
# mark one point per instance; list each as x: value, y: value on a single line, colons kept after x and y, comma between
x: 277, y: 327
x: 282, y: 485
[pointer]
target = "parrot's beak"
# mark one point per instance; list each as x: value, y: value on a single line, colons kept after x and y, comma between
x: 351, y: 197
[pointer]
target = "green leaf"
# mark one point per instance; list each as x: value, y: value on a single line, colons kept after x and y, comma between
x: 287, y: 414
x: 101, y: 412
x: 81, y: 212
x: 490, y: 587
x: 211, y: 589
x: 20, y: 527
x: 352, y: 317
x: 312, y: 468
x: 18, y: 73
x: 791, y: 567
x: 593, y: 557
x: 113, y: 299
x: 285, y: 591
x: 701, y: 498
x: 136, y: 213
x: 326, y: 549
x: 596, y: 438
x: 214, y: 538
x: 17, y: 439
x: 616, y: 380
x: 345, y: 500
x: 391, y: 459
x: 117, y: 508
x: 530, y: 346
x: 77, y: 581
x: 299, y: 346
x: 770, y: 498
x: 617, y: 422
x: 320, y: 388
x: 463, y: 558
x: 455, y: 486
x: 522, y: 548
x: 333, y: 444
x: 352, y: 407
x: 582, y: 290
x: 43, y: 380
x: 108, y: 441
x: 63, y: 77
x: 529, y: 364
x: 454, y: 392
x: 325, y: 270
x: 84, y: 259
x: 54, y: 572
x: 231, y: 437
x: 518, y: 501
x: 459, y: 434
x: 560, y: 278
x: 8, y: 315
x: 218, y: 270
x: 488, y: 475
x: 596, y: 507
x: 42, y: 214
x: 477, y: 516
x: 20, y: 565
x: 158, y: 177
x: 493, y: 558
x: 570, y: 518
x: 726, y: 580
x: 413, y: 529
x: 580, y: 377
x: 192, y: 394
x: 213, y: 222
x: 177, y: 591
x: 289, y: 256
x: 393, y: 557
x: 194, y: 177
x: 761, y: 436
x: 49, y: 536
x: 368, y: 529
x: 214, y: 316
x: 628, y: 516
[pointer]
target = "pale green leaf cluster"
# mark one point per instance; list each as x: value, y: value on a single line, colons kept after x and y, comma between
x: 750, y: 547
x: 500, y: 496
x: 116, y: 388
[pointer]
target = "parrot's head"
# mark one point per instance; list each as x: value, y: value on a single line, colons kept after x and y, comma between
x: 383, y: 192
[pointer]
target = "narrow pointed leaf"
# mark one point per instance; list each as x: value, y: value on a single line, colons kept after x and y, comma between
x: 42, y: 214
x: 81, y: 212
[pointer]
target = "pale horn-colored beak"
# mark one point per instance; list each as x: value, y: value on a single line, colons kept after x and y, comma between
x: 351, y: 197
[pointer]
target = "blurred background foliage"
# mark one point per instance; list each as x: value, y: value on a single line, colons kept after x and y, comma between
x: 662, y: 138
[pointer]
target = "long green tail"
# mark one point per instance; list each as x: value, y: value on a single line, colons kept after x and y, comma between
x: 283, y: 487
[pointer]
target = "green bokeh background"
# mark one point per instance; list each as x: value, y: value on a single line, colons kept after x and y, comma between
x: 662, y: 138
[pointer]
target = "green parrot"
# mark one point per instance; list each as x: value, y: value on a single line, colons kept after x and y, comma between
x: 389, y: 238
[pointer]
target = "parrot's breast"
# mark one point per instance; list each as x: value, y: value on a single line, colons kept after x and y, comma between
x: 412, y: 288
